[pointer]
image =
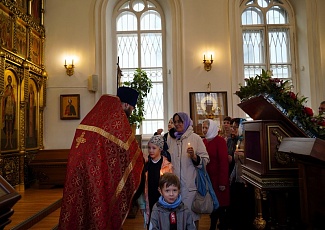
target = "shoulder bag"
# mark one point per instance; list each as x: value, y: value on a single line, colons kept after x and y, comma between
x: 205, y: 200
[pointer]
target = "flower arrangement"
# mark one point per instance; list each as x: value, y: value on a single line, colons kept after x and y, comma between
x: 293, y: 104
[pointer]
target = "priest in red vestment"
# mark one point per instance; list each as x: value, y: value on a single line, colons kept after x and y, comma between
x: 104, y: 166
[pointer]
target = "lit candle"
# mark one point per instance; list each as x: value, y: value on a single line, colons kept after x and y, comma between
x: 204, y: 57
x: 72, y: 61
x: 211, y: 57
x: 188, y: 147
x: 65, y: 62
x: 236, y: 147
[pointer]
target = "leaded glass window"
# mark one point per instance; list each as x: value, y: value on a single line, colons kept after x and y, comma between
x: 267, y: 35
x: 139, y: 38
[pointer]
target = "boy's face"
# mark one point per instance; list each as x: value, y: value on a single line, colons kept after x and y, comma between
x: 154, y: 152
x: 170, y: 193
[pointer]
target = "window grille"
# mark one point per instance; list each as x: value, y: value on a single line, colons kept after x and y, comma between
x: 139, y: 42
x: 267, y: 36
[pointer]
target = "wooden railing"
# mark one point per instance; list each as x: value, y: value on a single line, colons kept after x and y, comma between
x: 50, y: 167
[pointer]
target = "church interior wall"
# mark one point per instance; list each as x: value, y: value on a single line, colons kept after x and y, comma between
x: 321, y: 33
x: 68, y: 32
x: 71, y: 29
x: 310, y: 60
x: 205, y: 31
x: 302, y: 38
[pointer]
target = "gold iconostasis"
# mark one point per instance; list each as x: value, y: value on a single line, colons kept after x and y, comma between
x: 22, y: 86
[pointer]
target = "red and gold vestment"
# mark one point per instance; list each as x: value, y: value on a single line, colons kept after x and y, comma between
x: 104, y: 170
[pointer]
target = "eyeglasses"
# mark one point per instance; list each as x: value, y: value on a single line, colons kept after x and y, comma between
x: 234, y: 127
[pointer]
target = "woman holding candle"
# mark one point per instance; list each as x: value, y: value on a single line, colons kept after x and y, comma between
x: 218, y: 172
x: 187, y: 152
x: 237, y: 148
x: 234, y: 141
x: 241, y: 214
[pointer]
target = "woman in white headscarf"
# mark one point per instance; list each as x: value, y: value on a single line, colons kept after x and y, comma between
x: 218, y: 172
x: 187, y: 152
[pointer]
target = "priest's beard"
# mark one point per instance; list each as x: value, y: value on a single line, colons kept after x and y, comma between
x: 128, y: 111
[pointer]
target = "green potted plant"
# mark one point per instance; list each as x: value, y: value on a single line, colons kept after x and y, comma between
x: 143, y: 84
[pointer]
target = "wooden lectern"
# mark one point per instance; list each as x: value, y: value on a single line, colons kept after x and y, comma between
x: 273, y: 174
x: 8, y: 198
x: 310, y: 156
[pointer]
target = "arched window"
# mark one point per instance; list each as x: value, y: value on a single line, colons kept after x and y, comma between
x: 139, y: 27
x: 267, y: 38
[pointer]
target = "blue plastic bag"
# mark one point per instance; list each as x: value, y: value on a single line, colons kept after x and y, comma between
x: 201, y: 180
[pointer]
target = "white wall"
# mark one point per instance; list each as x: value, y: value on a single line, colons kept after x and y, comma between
x: 206, y: 29
x: 68, y: 32
x: 311, y: 48
x: 321, y: 28
x: 196, y: 27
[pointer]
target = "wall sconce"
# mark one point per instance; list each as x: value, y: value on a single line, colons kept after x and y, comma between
x: 69, y: 68
x: 207, y: 63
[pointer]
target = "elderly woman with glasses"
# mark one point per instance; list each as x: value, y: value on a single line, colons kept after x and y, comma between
x: 187, y: 152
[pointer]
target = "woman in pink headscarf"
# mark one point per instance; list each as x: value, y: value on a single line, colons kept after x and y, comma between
x: 187, y: 153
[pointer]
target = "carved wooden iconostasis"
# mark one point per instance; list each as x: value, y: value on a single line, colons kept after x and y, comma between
x: 22, y: 86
